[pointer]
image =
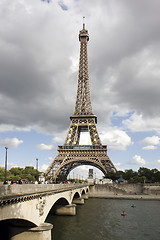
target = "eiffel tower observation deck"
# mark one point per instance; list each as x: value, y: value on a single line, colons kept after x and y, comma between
x: 73, y: 154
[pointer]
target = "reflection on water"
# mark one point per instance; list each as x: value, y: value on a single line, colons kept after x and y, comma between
x: 100, y: 219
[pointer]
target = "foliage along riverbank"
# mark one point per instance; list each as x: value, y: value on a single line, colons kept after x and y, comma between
x: 28, y: 173
x: 143, y: 175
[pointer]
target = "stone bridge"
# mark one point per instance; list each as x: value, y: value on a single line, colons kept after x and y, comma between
x: 24, y: 208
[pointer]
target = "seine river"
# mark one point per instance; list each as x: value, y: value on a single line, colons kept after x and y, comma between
x: 100, y: 219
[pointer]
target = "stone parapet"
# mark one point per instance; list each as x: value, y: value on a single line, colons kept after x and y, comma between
x: 22, y: 189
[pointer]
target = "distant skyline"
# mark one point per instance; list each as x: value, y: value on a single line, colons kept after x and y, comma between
x: 39, y: 57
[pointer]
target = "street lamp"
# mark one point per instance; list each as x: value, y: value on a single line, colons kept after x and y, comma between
x: 5, y: 180
x: 37, y: 167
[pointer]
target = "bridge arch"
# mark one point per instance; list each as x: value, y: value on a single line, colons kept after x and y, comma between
x: 60, y: 202
x: 83, y: 192
x: 76, y: 195
x: 14, y: 223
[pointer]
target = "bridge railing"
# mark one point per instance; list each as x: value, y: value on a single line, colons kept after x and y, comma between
x: 25, y: 189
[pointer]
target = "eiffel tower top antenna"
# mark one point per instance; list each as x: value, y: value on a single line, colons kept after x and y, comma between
x: 83, y: 22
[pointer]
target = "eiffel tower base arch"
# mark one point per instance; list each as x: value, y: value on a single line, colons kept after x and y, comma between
x: 72, y: 157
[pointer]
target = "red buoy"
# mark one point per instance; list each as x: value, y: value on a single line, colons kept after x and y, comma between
x: 123, y: 214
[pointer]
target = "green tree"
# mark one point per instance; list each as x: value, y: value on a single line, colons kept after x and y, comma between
x: 130, y: 174
x: 157, y: 176
x: 145, y: 172
x: 17, y: 173
x: 2, y: 170
x: 30, y: 171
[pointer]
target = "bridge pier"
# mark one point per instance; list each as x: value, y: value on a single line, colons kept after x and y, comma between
x: 69, y: 210
x: 42, y: 232
x: 85, y: 196
x: 79, y: 201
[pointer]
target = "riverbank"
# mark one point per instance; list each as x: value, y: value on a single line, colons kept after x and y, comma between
x: 126, y: 191
x: 129, y: 197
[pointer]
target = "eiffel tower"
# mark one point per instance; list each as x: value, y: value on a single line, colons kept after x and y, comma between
x: 72, y: 154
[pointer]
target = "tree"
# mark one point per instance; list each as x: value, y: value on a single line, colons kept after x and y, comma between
x: 157, y: 177
x: 145, y: 172
x: 129, y: 174
x: 17, y: 173
x: 2, y: 170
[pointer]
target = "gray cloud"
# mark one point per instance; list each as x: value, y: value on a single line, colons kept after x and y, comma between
x: 34, y: 68
x: 38, y: 47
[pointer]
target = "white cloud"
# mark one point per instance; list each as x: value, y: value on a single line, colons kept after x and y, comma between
x: 138, y: 160
x: 154, y: 140
x: 158, y: 161
x: 149, y: 147
x: 11, y: 165
x: 118, y: 164
x: 43, y: 167
x: 43, y: 146
x: 116, y: 139
x: 50, y: 158
x: 6, y: 128
x: 151, y: 142
x: 85, y: 138
x: 57, y: 139
x: 11, y: 142
x: 138, y: 123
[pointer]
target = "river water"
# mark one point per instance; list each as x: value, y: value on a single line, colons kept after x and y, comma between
x: 100, y: 219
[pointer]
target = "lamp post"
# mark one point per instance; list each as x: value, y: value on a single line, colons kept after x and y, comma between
x: 5, y: 180
x: 37, y: 167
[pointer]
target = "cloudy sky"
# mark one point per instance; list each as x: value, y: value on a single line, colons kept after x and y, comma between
x: 39, y: 55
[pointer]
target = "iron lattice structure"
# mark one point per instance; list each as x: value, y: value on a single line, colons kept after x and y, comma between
x: 71, y: 154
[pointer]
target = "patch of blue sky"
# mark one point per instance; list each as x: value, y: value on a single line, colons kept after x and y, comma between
x: 117, y: 120
x: 121, y: 158
x: 125, y: 157
x: 137, y: 137
x: 126, y: 115
x: 29, y: 146
x: 31, y: 137
x: 62, y: 5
